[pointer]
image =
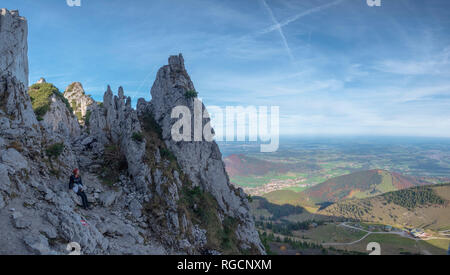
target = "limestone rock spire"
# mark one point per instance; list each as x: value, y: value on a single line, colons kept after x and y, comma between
x: 200, y: 160
x: 78, y: 100
x: 14, y: 45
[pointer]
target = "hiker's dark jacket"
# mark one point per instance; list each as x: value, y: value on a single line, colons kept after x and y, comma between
x: 74, y: 181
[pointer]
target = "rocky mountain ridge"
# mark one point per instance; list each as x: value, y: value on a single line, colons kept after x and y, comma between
x: 151, y: 195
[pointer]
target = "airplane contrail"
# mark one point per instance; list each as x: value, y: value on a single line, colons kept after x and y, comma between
x: 277, y: 26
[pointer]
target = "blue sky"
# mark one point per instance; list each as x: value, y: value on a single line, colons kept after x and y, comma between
x: 334, y: 67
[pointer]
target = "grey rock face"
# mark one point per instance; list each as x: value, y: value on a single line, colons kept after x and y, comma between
x: 52, y: 218
x: 14, y: 74
x: 14, y: 159
x: 49, y: 232
x: 108, y: 198
x: 116, y: 122
x: 2, y: 143
x: 5, y: 182
x: 16, y: 104
x: 13, y: 46
x: 21, y: 223
x: 37, y: 244
x: 72, y: 228
x: 60, y: 120
x: 135, y: 208
x: 78, y: 99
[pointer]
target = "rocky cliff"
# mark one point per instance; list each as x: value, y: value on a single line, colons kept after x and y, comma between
x: 151, y: 195
x: 200, y: 160
x: 79, y: 101
x: 13, y: 46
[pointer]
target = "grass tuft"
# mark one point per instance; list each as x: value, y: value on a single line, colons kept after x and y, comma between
x: 137, y: 136
x: 190, y: 94
x: 55, y: 150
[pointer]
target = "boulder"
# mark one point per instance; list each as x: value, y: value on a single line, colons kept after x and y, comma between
x: 135, y: 208
x: 5, y: 183
x: 2, y: 202
x: 107, y: 198
x: 21, y: 223
x: 14, y: 160
x: 37, y: 244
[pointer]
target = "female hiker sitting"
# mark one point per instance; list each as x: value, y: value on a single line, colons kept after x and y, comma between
x: 76, y: 185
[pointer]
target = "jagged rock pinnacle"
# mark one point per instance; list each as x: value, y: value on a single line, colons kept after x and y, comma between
x: 79, y: 101
x: 121, y: 93
x: 168, y: 91
x: 177, y: 61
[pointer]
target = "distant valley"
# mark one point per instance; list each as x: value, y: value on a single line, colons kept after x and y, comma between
x: 361, y: 184
x: 302, y: 163
x: 323, y: 197
x: 409, y: 221
x: 418, y: 207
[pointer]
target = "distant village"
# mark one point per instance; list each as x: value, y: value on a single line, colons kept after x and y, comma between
x: 275, y: 185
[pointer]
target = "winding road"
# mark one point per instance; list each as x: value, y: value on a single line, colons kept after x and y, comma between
x: 401, y: 234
